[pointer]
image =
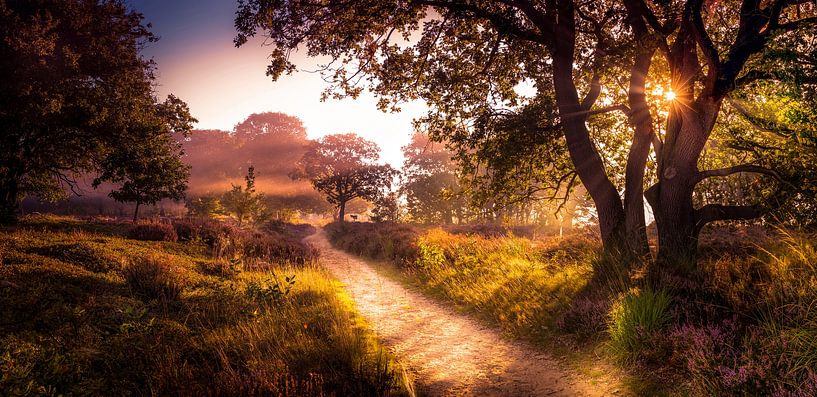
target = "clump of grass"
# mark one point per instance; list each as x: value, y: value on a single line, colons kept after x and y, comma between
x: 153, y: 277
x: 153, y: 232
x: 636, y: 319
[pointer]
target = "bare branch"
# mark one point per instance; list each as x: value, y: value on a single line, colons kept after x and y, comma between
x: 703, y: 39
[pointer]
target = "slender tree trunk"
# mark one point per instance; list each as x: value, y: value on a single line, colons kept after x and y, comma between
x: 342, y: 211
x: 583, y: 153
x: 136, y: 211
x: 9, y: 193
x: 635, y: 222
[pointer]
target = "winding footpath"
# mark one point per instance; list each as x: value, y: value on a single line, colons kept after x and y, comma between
x: 448, y: 353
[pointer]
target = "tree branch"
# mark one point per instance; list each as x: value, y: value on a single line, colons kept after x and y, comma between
x: 719, y: 212
x: 703, y: 39
x: 501, y: 23
x: 737, y: 169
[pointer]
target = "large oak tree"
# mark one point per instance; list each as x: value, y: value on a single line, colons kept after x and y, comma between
x: 593, y: 57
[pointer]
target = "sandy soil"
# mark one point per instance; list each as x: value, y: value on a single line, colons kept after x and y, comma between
x: 448, y: 353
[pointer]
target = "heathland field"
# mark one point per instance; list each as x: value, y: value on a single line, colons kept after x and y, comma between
x: 99, y: 308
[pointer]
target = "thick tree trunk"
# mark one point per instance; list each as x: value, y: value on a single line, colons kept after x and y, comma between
x: 674, y: 209
x: 675, y: 218
x: 342, y: 212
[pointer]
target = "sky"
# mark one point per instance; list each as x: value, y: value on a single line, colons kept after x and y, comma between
x: 198, y: 62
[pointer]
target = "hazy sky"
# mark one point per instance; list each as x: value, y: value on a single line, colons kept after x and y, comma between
x: 223, y: 84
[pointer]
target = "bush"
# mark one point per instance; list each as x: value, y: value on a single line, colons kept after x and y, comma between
x: 586, y: 317
x: 384, y: 241
x: 636, y: 319
x: 277, y: 248
x: 298, y: 231
x: 153, y: 232
x: 221, y: 268
x: 153, y: 278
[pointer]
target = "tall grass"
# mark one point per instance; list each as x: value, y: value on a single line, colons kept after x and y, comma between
x: 744, y: 324
x: 636, y: 319
x: 521, y: 285
x: 169, y: 318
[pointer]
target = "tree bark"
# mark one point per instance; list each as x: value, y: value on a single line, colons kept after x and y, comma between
x: 674, y: 210
x: 342, y: 211
x: 9, y: 193
x: 635, y: 222
x: 136, y: 211
x: 583, y: 153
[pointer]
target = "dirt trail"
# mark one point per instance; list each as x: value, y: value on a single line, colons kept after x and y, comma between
x: 448, y: 353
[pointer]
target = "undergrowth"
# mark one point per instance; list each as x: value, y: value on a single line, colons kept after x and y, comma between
x: 745, y: 323
x: 84, y: 311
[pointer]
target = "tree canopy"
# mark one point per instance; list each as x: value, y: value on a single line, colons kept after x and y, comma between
x: 343, y: 167
x: 148, y: 166
x: 595, y: 59
x: 74, y: 92
x: 430, y: 182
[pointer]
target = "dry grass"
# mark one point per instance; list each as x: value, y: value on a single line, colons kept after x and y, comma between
x: 166, y: 318
x: 745, y: 324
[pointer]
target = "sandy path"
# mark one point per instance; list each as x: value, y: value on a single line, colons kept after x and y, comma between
x: 448, y: 353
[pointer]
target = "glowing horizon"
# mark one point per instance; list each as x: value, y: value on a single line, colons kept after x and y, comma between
x: 197, y: 61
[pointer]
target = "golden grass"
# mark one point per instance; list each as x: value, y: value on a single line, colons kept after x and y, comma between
x: 73, y: 323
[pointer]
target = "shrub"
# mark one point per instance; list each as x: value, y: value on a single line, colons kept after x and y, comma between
x: 586, y: 317
x: 278, y: 248
x: 386, y: 241
x: 153, y: 278
x: 298, y: 231
x: 635, y: 320
x: 221, y: 268
x: 153, y: 232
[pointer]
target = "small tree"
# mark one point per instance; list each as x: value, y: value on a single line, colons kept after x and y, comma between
x: 386, y: 208
x: 244, y: 202
x: 150, y: 169
x: 206, y: 206
x: 343, y: 167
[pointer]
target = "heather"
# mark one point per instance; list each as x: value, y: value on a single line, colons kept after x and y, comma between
x: 744, y: 324
x: 88, y: 311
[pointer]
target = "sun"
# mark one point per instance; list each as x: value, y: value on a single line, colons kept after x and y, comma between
x: 669, y: 95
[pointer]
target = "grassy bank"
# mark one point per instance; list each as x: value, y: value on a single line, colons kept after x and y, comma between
x: 85, y: 310
x: 743, y: 325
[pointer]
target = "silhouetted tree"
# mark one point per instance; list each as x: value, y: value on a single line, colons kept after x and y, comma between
x: 272, y: 142
x: 430, y: 182
x: 72, y: 86
x: 149, y: 168
x: 343, y: 167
